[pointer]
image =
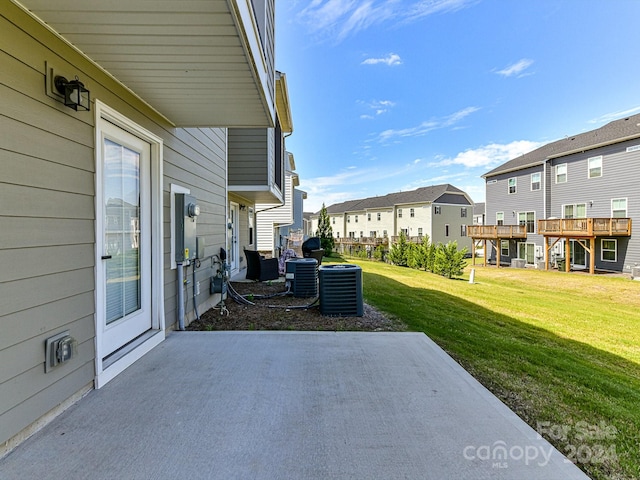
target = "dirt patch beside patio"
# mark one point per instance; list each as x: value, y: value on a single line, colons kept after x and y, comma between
x: 272, y: 310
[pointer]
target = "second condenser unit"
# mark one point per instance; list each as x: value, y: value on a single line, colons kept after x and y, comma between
x: 341, y: 290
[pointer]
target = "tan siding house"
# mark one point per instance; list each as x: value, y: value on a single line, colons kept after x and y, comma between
x: 87, y: 198
x: 441, y: 212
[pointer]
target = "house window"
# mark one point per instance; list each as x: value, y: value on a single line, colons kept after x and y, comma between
x: 384, y: 233
x: 333, y: 220
x: 578, y: 210
x: 361, y: 234
x: 378, y: 215
x: 412, y: 212
x: 463, y: 212
x: 338, y: 235
x: 437, y: 210
x: 405, y: 231
x: 368, y: 217
x: 595, y: 166
x: 356, y: 218
x: 504, y: 248
x: 609, y: 250
x: 619, y: 207
x: 399, y: 213
x: 499, y: 218
x: 446, y: 230
x: 419, y: 231
x: 372, y: 233
x: 536, y: 180
x: 561, y: 173
x: 512, y: 185
x: 463, y: 230
x: 348, y: 218
x: 528, y: 219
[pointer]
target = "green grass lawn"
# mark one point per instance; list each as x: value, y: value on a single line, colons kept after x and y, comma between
x: 562, y: 350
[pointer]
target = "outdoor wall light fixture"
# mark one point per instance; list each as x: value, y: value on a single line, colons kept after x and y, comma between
x: 75, y: 95
x: 591, y: 203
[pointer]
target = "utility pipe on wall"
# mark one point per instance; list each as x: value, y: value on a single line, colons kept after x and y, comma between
x: 180, y: 296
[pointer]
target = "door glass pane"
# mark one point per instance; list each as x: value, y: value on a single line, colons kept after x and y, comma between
x: 122, y: 230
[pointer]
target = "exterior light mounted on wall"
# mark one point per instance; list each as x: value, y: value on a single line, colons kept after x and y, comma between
x: 75, y: 94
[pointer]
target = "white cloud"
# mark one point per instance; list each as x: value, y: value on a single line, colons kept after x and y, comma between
x: 516, y: 69
x: 390, y: 60
x: 429, y: 125
x: 489, y: 155
x: 379, y: 107
x: 338, y: 19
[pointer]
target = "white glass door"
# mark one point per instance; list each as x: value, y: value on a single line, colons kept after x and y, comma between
x: 234, y: 249
x: 124, y: 306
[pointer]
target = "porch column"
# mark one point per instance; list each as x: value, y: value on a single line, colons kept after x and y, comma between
x: 567, y: 255
x: 485, y: 251
x: 546, y: 253
x: 592, y: 255
x: 498, y: 248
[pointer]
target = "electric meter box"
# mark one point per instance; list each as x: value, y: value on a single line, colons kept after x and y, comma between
x: 186, y: 211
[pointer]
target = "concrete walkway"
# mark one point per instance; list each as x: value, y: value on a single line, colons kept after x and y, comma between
x: 290, y: 405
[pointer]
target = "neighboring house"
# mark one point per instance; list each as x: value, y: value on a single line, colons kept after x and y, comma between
x: 271, y: 217
x: 298, y: 225
x: 478, y: 213
x: 87, y: 198
x: 441, y: 212
x: 307, y: 223
x: 575, y: 198
x: 258, y: 178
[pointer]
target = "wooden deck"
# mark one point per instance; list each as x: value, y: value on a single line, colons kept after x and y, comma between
x: 373, y: 241
x: 585, y: 227
x: 495, y: 232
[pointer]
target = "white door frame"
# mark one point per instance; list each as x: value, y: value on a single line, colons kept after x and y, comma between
x: 234, y: 238
x: 106, y: 371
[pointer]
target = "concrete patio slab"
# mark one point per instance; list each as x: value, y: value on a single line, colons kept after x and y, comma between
x: 290, y: 405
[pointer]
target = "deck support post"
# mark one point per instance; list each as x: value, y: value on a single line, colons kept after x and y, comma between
x: 567, y: 255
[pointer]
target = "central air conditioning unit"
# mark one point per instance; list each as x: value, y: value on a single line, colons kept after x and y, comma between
x: 635, y: 273
x: 302, y: 273
x: 341, y: 290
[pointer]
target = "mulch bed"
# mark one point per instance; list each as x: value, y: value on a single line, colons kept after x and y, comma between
x: 284, y: 312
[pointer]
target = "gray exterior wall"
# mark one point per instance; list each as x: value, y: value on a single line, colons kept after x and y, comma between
x: 498, y: 199
x: 618, y: 180
x: 248, y: 149
x: 47, y: 215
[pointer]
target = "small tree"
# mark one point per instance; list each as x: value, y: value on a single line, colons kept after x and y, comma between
x: 399, y: 251
x: 325, y: 232
x: 449, y: 261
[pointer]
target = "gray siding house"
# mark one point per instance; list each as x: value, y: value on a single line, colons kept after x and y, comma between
x: 576, y: 198
x: 88, y: 198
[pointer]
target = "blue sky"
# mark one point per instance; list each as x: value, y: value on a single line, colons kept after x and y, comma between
x: 393, y: 95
